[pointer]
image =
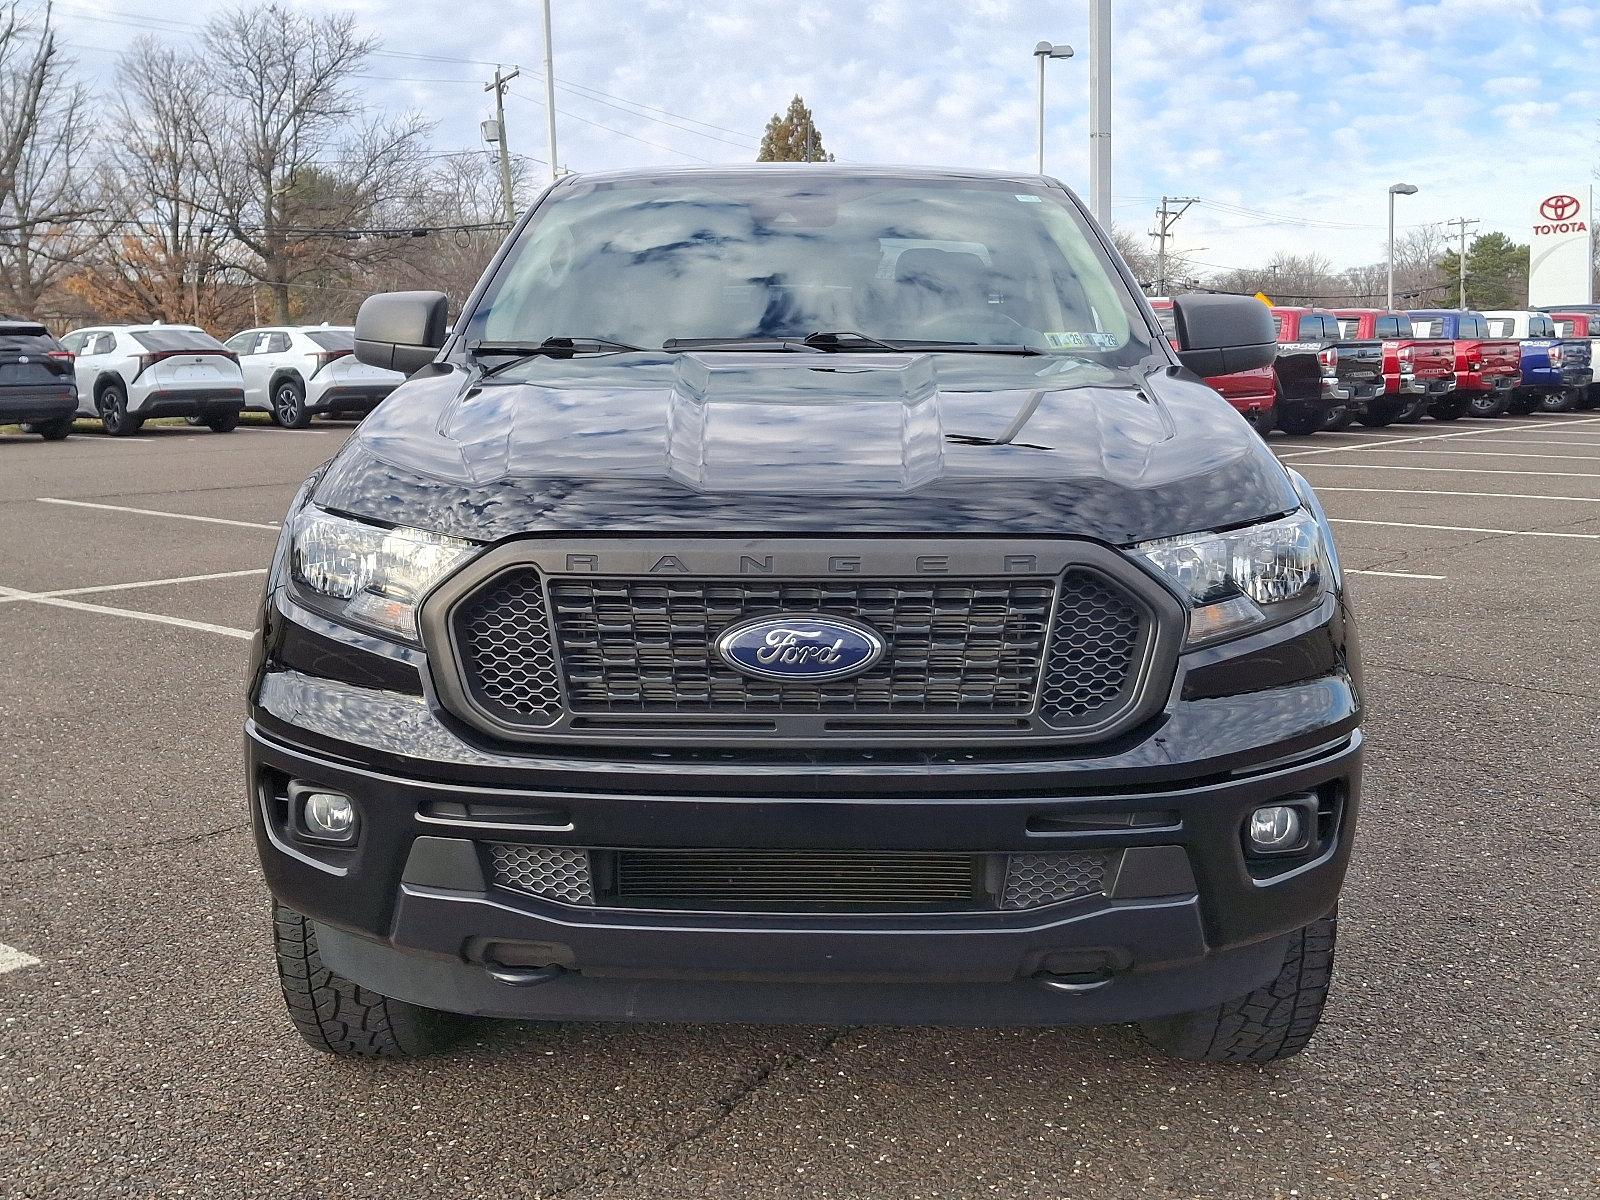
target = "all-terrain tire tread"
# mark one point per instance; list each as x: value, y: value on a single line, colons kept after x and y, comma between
x: 341, y: 1017
x: 1273, y: 1022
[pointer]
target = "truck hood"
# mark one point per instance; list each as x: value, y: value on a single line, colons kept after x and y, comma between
x: 808, y: 443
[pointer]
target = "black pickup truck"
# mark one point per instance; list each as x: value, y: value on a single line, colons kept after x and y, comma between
x: 1324, y: 380
x: 806, y: 593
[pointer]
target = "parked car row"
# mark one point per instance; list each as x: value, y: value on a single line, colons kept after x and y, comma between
x: 124, y: 375
x: 1338, y: 366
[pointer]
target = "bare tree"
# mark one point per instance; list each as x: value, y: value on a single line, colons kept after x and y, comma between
x: 288, y: 149
x: 462, y: 189
x: 162, y: 255
x: 43, y: 140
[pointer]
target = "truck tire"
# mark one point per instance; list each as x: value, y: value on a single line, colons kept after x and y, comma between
x: 1340, y: 418
x: 52, y: 431
x: 1555, y: 402
x: 1300, y: 421
x: 1486, y: 404
x: 340, y: 1017
x: 1451, y: 408
x: 1271, y: 1023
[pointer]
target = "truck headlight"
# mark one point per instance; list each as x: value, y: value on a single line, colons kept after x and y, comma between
x: 366, y: 574
x: 1244, y: 579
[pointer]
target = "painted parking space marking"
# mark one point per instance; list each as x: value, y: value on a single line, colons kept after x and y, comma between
x: 1447, y: 470
x: 1392, y: 574
x: 1588, y: 537
x: 156, y: 512
x: 130, y: 613
x: 1437, y: 437
x: 1478, y: 495
x: 1451, y: 451
x: 12, y: 959
x: 124, y: 587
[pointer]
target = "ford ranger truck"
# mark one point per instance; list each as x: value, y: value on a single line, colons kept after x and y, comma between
x: 1416, y: 371
x: 1324, y: 382
x: 1253, y: 393
x: 1582, y: 326
x: 1549, y: 381
x: 1486, y: 368
x: 806, y: 593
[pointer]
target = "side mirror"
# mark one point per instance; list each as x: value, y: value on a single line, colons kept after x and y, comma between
x: 401, y: 331
x: 1218, y: 335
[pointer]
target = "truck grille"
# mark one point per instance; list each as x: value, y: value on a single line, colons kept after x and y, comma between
x: 535, y: 650
x: 798, y: 880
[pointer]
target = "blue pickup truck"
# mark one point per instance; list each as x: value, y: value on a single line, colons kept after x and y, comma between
x: 1556, y: 371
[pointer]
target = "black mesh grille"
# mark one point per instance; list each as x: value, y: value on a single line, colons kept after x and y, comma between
x: 951, y: 647
x: 503, y: 637
x: 955, y: 648
x: 1093, y: 640
x: 799, y: 880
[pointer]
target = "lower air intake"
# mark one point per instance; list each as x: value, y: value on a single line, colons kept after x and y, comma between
x: 799, y: 881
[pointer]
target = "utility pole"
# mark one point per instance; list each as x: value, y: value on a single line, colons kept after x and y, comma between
x: 1461, y: 258
x: 498, y: 87
x: 1166, y: 218
x: 550, y: 94
x: 1100, y: 110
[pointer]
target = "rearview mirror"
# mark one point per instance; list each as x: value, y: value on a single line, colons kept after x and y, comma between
x: 1218, y: 335
x: 401, y: 331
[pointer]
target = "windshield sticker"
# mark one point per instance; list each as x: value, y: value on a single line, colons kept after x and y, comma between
x: 1028, y: 199
x: 1071, y: 340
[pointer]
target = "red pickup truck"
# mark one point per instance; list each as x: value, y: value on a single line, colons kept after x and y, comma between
x: 1582, y: 325
x: 1416, y: 371
x: 1254, y: 393
x: 1487, y: 368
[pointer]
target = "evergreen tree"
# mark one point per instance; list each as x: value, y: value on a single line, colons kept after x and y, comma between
x: 792, y: 137
x: 1497, y: 272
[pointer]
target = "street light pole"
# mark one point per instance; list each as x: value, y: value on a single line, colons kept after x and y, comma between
x: 1043, y: 51
x: 1100, y: 110
x: 1396, y: 189
x: 550, y: 92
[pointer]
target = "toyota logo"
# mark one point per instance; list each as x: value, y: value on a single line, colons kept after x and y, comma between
x: 1560, y: 208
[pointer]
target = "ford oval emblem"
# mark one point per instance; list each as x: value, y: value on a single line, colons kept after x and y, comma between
x: 800, y: 647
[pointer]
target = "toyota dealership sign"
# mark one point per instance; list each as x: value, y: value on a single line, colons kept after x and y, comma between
x: 1561, y: 253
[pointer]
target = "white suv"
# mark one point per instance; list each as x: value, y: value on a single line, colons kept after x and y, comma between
x: 294, y: 371
x: 129, y: 373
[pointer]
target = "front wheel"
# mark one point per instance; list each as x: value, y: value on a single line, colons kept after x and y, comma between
x: 112, y: 406
x: 1273, y: 1022
x: 289, y: 404
x: 340, y: 1017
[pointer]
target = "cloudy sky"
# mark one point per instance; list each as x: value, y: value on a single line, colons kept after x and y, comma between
x: 1288, y: 120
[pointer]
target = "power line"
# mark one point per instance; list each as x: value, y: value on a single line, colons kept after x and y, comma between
x: 1165, y: 220
x: 609, y: 129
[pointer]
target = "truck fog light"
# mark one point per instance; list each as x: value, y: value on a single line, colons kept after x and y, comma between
x: 329, y: 817
x: 1276, y: 829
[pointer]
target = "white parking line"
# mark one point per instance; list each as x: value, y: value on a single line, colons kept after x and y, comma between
x: 156, y: 512
x: 1574, y: 442
x: 1451, y: 450
x: 123, y: 587
x: 1394, y: 574
x: 1481, y: 495
x: 130, y: 613
x: 1434, y: 437
x: 1591, y: 537
x: 12, y: 959
x: 1448, y: 470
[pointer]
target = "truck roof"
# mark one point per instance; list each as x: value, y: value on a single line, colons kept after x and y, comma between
x: 825, y: 170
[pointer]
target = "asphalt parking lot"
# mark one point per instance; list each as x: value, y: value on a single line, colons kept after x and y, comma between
x: 145, y: 1051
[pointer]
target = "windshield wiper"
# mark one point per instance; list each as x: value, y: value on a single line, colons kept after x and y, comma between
x: 552, y: 347
x: 969, y: 348
x: 734, y: 343
x: 836, y: 340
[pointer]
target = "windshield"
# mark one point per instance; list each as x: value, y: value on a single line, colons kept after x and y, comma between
x: 176, y: 338
x: 644, y: 261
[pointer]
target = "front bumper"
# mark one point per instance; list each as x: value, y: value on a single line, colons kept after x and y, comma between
x: 1184, y: 921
